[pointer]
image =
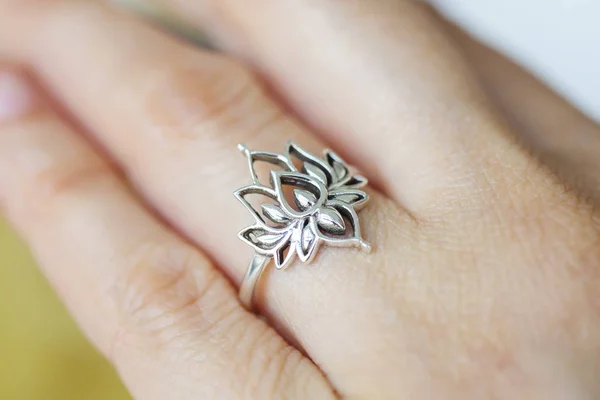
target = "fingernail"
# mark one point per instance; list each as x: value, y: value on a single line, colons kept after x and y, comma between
x: 16, y: 95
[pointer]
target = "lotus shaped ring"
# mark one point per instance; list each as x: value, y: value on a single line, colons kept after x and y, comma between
x: 308, y: 201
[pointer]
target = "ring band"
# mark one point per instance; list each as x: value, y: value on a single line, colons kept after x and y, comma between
x: 321, y: 208
x: 255, y: 269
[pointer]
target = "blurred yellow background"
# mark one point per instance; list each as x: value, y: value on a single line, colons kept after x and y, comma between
x: 43, y: 356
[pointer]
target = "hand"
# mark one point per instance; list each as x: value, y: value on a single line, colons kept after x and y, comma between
x: 483, y: 281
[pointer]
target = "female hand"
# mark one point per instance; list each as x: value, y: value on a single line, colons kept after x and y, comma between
x: 484, y: 278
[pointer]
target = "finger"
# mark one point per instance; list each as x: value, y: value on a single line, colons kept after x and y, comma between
x: 381, y: 81
x: 563, y: 137
x: 173, y: 116
x: 167, y: 319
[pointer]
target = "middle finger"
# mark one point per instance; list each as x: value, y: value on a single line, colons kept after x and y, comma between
x: 382, y: 81
x: 172, y: 116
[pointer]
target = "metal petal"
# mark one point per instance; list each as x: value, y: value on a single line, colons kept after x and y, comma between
x: 242, y: 193
x: 330, y: 220
x: 310, y: 163
x: 272, y: 158
x: 300, y: 182
x: 308, y: 237
x: 304, y: 199
x: 307, y: 240
x: 315, y: 173
x: 275, y: 213
x: 352, y: 197
x: 354, y: 239
x: 284, y: 255
x: 356, y: 182
x: 340, y: 168
x: 264, y: 241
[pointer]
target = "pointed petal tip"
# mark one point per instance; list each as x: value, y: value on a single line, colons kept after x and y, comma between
x: 366, y: 246
x: 243, y: 148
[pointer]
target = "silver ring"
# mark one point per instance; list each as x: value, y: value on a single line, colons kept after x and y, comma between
x: 321, y: 207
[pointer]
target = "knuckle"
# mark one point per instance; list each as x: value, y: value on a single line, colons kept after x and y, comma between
x: 535, y: 207
x: 169, y: 296
x: 59, y: 16
x: 198, y: 99
x: 558, y: 240
x: 61, y: 180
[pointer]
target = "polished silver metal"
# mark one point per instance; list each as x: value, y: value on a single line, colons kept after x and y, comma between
x: 320, y: 208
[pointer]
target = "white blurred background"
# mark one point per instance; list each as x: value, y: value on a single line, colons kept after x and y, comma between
x: 559, y: 40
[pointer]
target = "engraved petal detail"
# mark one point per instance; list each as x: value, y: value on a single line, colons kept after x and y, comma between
x: 308, y: 241
x: 275, y: 213
x: 330, y: 220
x: 304, y: 199
x: 355, y: 198
x: 264, y: 241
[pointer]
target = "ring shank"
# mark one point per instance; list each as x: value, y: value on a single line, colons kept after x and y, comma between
x: 258, y: 264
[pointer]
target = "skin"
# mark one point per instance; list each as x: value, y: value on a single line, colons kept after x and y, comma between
x: 118, y: 160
